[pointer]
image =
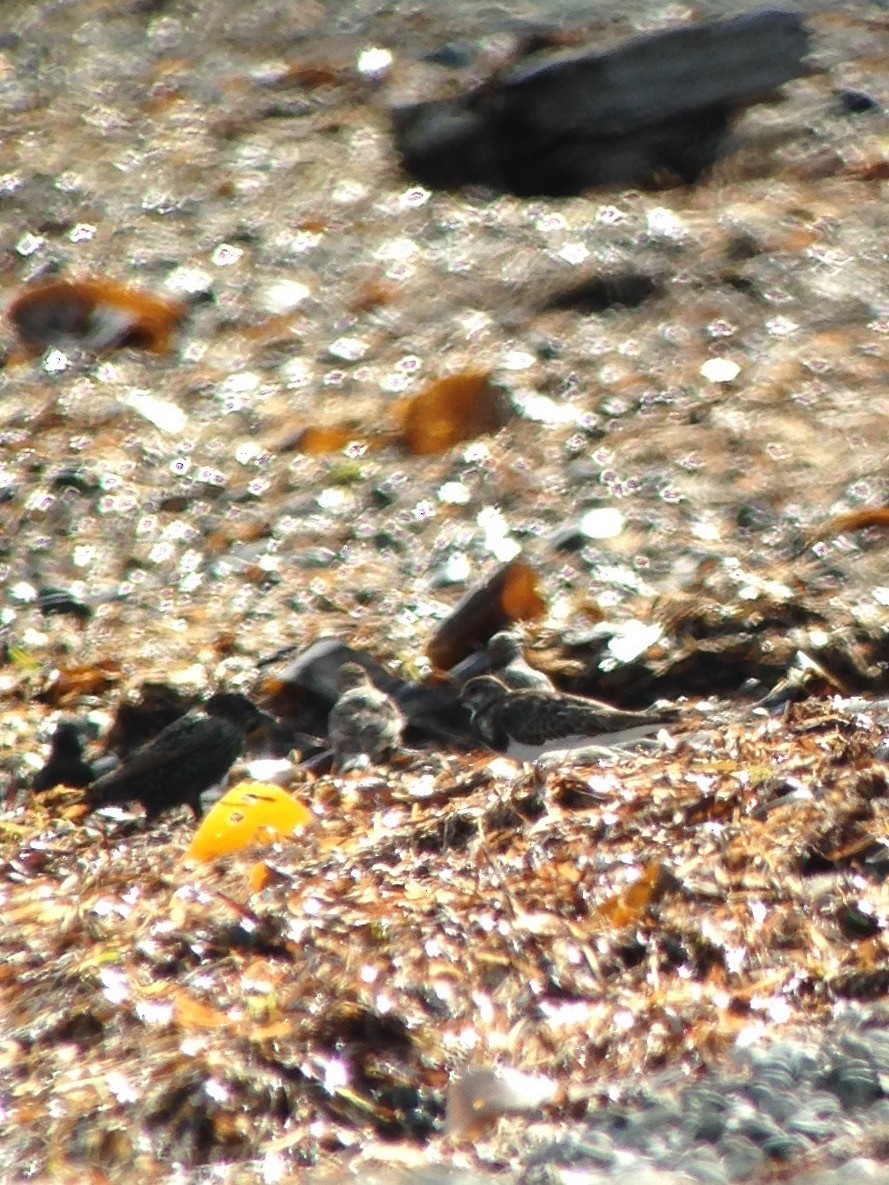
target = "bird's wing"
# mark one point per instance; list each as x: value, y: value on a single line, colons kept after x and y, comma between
x: 177, y: 742
x: 538, y: 717
x: 522, y: 713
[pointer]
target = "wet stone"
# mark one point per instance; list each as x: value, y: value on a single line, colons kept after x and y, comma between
x: 595, y: 1152
x: 77, y: 479
x: 741, y: 1157
x: 878, y: 1114
x: 854, y: 1172
x: 855, y: 923
x: 568, y: 539
x: 812, y: 1122
x: 315, y: 557
x: 57, y: 601
x: 855, y: 1083
x: 451, y: 56
x: 856, y: 102
x: 703, y: 1165
x: 878, y: 1049
x: 759, y: 1128
x: 790, y: 1057
x: 860, y: 1046
x: 774, y: 1096
x: 709, y: 1126
x: 785, y: 1148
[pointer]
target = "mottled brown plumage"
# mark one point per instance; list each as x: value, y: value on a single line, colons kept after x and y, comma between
x: 364, y: 725
x: 527, y: 723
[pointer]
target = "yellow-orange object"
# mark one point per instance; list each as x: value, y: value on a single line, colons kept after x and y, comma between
x: 250, y: 813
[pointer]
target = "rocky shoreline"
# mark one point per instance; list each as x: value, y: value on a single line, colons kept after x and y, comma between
x: 684, y: 440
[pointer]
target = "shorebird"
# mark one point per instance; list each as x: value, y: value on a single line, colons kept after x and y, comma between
x: 186, y: 758
x: 364, y: 724
x: 509, y: 666
x: 527, y: 724
x: 66, y: 765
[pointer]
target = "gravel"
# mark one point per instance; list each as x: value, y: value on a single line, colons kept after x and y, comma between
x: 812, y: 1102
x: 100, y: 179
x: 807, y: 1106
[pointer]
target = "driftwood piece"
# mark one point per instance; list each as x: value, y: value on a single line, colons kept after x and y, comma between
x: 660, y: 104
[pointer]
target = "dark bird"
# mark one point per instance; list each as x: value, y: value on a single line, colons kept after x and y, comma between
x: 527, y: 724
x: 185, y: 759
x: 509, y: 666
x: 141, y: 717
x: 364, y: 724
x: 66, y: 765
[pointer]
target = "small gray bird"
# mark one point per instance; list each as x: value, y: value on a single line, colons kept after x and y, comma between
x: 527, y: 724
x: 509, y: 666
x: 364, y: 724
x: 184, y: 759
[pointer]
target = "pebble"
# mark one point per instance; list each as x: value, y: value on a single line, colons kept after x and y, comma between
x: 802, y: 1108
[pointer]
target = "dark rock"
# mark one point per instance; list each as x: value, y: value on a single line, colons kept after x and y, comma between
x: 854, y: 1082
x: 307, y: 688
x: 451, y: 56
x: 597, y: 294
x: 854, y: 923
x: 75, y: 478
x: 741, y: 1157
x: 57, y: 601
x: 658, y: 105
x: 569, y: 538
x: 754, y: 516
x: 856, y: 102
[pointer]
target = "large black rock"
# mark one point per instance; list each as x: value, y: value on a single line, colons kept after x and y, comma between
x: 658, y: 105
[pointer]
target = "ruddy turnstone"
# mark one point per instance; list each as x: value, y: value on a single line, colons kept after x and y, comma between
x: 509, y: 666
x: 364, y: 724
x: 185, y: 759
x: 527, y: 724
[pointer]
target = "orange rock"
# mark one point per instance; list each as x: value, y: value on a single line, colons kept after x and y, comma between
x: 99, y: 313
x: 507, y: 596
x: 459, y: 407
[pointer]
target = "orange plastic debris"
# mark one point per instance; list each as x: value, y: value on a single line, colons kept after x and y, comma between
x: 250, y: 813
